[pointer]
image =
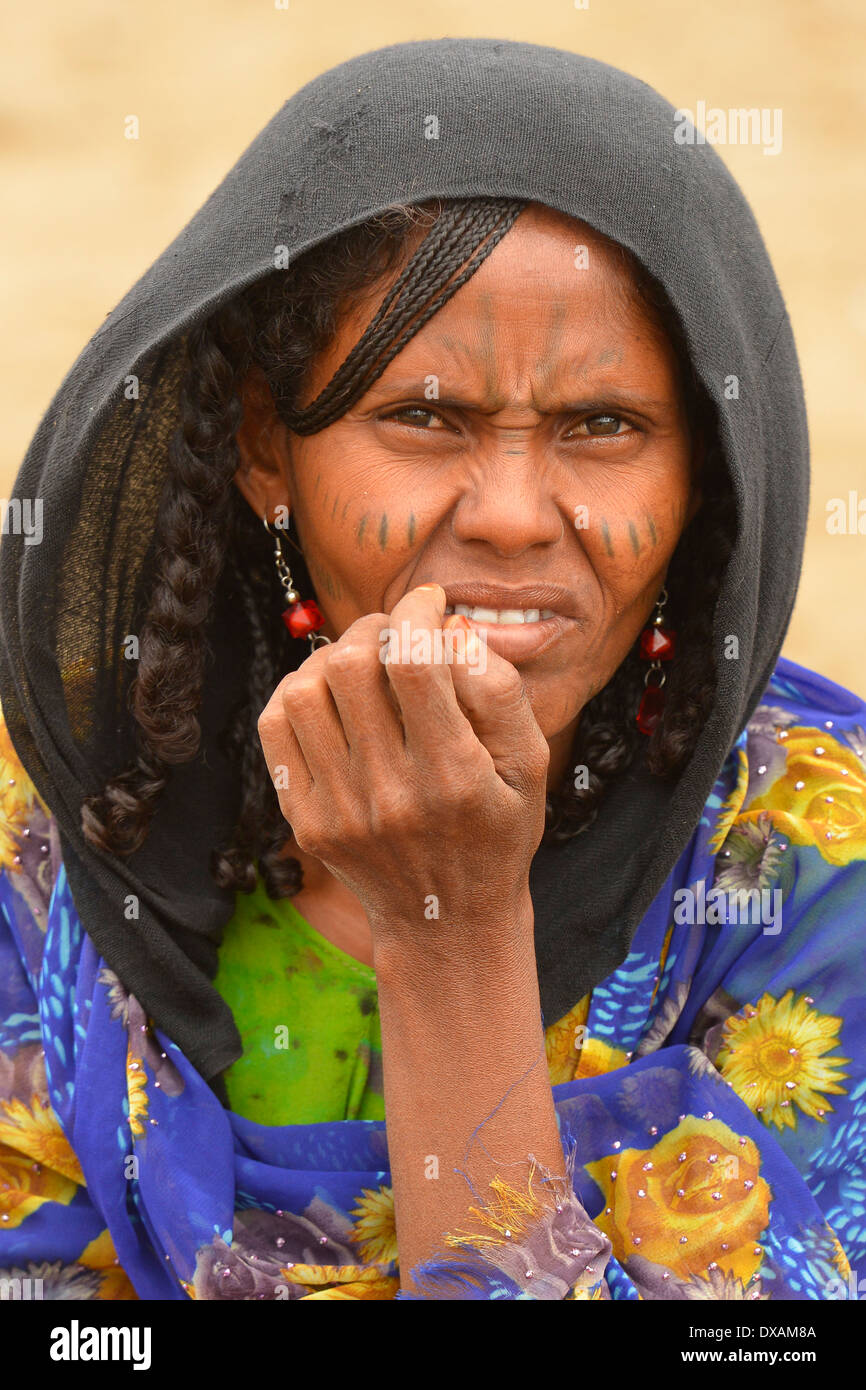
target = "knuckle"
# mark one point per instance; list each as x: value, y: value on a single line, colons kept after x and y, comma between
x: 351, y: 658
x: 268, y: 723
x: 363, y: 631
x: 308, y: 836
x: 297, y: 692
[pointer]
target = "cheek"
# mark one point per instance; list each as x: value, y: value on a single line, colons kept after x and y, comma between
x: 631, y: 520
x: 358, y: 527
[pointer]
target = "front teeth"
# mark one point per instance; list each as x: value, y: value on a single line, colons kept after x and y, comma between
x: 502, y: 615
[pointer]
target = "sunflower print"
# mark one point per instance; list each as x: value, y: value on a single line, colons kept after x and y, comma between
x: 375, y: 1231
x: 774, y: 1055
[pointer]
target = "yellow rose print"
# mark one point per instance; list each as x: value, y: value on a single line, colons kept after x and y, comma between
x: 693, y: 1202
x: 821, y: 799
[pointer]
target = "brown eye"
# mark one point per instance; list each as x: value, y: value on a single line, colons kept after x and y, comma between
x: 598, y: 426
x: 603, y: 424
x: 415, y: 415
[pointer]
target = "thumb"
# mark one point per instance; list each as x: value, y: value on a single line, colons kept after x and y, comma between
x: 493, y: 698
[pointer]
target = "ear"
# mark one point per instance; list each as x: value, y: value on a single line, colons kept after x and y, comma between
x: 264, y: 447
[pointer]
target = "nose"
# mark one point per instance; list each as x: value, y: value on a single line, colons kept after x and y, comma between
x: 508, y: 500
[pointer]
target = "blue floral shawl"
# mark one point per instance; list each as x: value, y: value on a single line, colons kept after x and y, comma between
x: 711, y: 1092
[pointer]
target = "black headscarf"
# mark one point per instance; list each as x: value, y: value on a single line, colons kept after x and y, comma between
x: 516, y: 121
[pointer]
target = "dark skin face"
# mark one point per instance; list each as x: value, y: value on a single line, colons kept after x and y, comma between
x: 557, y: 393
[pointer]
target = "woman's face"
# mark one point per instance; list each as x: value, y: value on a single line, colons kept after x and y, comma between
x: 527, y: 449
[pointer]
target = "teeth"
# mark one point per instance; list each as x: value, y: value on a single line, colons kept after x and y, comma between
x: 503, y: 616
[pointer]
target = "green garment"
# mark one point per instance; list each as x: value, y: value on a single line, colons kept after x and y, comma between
x: 308, y: 1017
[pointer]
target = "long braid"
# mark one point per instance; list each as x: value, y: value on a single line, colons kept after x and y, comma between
x: 192, y: 537
x: 261, y: 830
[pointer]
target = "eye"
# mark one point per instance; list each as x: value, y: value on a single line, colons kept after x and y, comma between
x: 602, y: 424
x: 417, y: 416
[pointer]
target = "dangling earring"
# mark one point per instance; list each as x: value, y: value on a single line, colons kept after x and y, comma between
x: 302, y: 618
x: 657, y: 644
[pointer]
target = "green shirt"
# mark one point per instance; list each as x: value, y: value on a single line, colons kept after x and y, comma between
x: 308, y: 1017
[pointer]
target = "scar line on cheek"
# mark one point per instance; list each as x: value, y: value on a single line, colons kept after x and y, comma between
x: 605, y: 531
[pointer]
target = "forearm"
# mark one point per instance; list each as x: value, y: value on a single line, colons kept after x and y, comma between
x: 467, y: 1095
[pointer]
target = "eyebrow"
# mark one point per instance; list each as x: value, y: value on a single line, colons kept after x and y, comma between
x: 609, y: 396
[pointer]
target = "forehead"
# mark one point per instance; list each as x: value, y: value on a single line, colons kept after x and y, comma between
x: 552, y: 295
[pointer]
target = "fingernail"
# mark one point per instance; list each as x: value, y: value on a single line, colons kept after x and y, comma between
x: 421, y: 587
x: 457, y: 620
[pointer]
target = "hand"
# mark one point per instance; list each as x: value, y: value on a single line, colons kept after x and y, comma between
x: 411, y: 779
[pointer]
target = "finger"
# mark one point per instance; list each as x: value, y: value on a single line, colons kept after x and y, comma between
x: 310, y: 711
x: 420, y: 678
x: 284, y: 758
x: 361, y: 692
x: 493, y: 698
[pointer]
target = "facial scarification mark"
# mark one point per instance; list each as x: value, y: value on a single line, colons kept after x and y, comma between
x: 383, y: 530
x: 546, y: 366
x: 361, y: 527
x: 324, y: 580
x: 334, y: 508
x: 410, y: 528
x: 605, y: 531
x: 345, y: 509
x: 652, y: 530
x: 632, y: 535
x: 487, y: 344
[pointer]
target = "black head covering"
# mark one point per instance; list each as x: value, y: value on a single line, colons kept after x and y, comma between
x: 516, y: 121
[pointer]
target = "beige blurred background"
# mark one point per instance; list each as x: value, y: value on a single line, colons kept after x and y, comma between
x: 88, y: 210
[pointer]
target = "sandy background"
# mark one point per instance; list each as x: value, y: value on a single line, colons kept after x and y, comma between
x: 88, y: 210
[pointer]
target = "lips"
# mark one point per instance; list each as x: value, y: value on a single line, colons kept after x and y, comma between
x: 506, y: 617
x: 499, y: 598
x: 520, y: 642
x: 518, y: 623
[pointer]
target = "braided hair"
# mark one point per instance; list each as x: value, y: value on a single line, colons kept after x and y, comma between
x: 205, y: 527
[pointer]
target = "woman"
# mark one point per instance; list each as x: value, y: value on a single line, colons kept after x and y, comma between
x: 537, y: 849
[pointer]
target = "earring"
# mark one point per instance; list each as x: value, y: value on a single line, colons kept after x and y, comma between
x: 302, y: 618
x: 657, y: 644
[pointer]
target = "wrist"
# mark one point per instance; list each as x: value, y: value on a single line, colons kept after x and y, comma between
x: 483, y: 945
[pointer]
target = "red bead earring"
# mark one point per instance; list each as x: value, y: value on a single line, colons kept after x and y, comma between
x: 657, y: 644
x: 303, y: 618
